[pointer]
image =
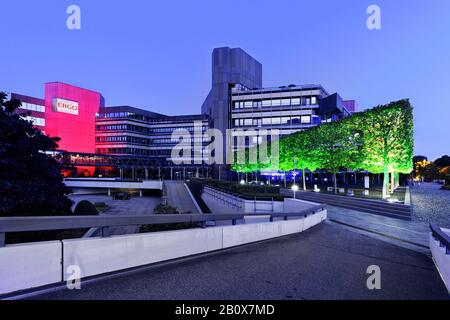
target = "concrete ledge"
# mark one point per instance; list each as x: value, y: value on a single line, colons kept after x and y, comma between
x: 441, y: 259
x: 35, y: 265
x: 27, y: 266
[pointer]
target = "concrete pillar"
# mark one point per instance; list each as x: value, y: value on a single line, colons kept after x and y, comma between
x: 171, y: 173
x: 121, y: 173
x: 140, y: 193
x: 146, y: 174
x: 109, y: 192
x: 159, y: 173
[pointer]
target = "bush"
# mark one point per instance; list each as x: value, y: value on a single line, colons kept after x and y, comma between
x: 85, y: 208
x: 165, y: 209
x: 447, y: 181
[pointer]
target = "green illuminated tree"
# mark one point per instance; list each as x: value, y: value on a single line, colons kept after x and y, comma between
x: 379, y: 140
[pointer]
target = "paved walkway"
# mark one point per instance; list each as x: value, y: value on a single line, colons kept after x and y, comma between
x: 326, y: 262
x: 431, y: 204
x: 178, y: 197
x: 408, y: 234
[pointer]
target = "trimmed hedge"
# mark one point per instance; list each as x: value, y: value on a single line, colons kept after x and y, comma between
x: 85, y: 208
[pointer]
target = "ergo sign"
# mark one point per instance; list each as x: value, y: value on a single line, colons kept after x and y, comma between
x: 65, y: 106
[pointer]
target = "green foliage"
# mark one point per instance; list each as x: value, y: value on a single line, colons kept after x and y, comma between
x: 443, y: 162
x: 30, y: 179
x: 377, y: 140
x: 85, y: 208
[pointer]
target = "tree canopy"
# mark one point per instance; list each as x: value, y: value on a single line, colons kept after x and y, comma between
x: 30, y: 179
x: 378, y: 140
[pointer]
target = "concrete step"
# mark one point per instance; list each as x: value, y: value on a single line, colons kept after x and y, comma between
x: 404, y: 211
x: 369, y: 206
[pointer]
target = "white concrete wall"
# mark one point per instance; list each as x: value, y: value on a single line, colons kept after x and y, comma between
x: 231, y: 204
x: 103, y: 255
x: 27, y: 266
x: 37, y: 264
x: 441, y: 259
x: 295, y: 205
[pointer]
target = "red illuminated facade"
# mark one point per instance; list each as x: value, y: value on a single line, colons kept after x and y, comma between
x: 67, y: 112
x: 70, y: 114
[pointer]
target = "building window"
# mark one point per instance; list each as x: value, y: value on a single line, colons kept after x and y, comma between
x: 313, y: 100
x: 276, y: 102
x: 296, y: 101
x: 306, y: 119
x: 266, y: 103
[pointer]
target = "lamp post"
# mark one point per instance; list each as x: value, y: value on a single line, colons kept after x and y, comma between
x: 295, y: 189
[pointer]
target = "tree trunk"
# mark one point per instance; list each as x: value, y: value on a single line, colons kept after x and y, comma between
x: 392, y: 182
x: 335, y: 183
x: 304, y: 179
x: 386, y: 183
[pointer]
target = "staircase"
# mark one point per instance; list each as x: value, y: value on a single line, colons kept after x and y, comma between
x: 378, y: 207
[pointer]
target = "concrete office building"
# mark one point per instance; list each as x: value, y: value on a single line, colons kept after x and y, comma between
x: 95, y: 134
x: 237, y: 101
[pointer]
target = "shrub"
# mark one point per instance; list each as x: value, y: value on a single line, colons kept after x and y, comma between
x: 165, y: 209
x: 447, y: 180
x: 85, y: 208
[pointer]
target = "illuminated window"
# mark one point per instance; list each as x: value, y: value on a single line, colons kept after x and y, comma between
x: 276, y: 103
x: 306, y: 119
x: 296, y: 101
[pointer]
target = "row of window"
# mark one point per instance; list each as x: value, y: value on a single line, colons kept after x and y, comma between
x: 134, y: 151
x: 170, y: 130
x: 36, y: 121
x: 139, y: 129
x: 305, y: 101
x: 32, y: 107
x: 175, y: 141
x: 123, y: 139
x: 272, y: 121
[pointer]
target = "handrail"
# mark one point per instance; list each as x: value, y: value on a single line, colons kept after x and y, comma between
x: 441, y: 236
x: 28, y: 224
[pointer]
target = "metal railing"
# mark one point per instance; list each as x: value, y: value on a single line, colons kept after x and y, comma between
x: 30, y: 224
x: 441, y: 236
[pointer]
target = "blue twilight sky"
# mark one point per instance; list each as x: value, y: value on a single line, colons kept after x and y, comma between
x: 156, y: 54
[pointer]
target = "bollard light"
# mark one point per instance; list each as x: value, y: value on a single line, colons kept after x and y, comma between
x: 242, y: 182
x: 295, y: 188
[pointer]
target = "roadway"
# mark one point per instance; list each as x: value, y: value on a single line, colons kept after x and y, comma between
x: 178, y: 197
x: 326, y: 262
x: 135, y: 206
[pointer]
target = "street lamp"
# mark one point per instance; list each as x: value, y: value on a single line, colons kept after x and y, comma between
x: 242, y: 182
x: 295, y: 189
